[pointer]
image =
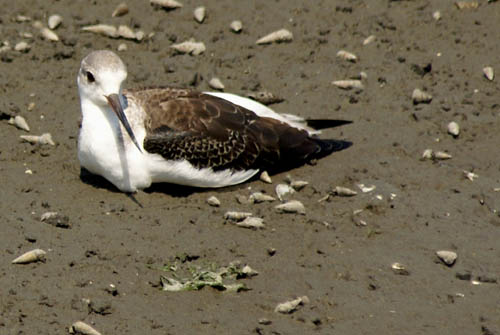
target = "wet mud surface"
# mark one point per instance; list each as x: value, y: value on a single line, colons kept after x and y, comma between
x: 107, y: 252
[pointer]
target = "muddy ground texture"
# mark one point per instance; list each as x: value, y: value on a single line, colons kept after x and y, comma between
x: 104, y: 262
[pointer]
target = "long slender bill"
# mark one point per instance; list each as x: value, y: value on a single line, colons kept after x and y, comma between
x: 114, y: 102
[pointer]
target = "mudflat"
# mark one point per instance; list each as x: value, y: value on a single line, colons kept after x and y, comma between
x: 108, y: 254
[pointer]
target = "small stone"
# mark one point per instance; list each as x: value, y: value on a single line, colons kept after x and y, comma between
x: 236, y: 26
x: 216, y: 84
x: 54, y: 21
x: 453, y: 129
x: 448, y: 257
x: 22, y: 47
x: 264, y: 176
x: 400, y: 269
x: 290, y: 306
x: 199, y: 14
x: 213, y: 201
x: 489, y: 73
x: 122, y: 47
x: 120, y: 10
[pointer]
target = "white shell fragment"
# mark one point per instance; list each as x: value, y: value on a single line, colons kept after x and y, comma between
x: 190, y: 47
x: 348, y: 56
x: 278, y: 36
x: 49, y: 34
x: 216, y: 84
x: 120, y: 10
x: 348, y: 84
x: 453, y: 128
x: 251, y: 223
x: 103, y: 29
x: 43, y: 139
x: 436, y: 15
x: 19, y: 122
x: 365, y: 189
x: 427, y: 154
x: 470, y: 175
x: 467, y: 4
x: 399, y: 269
x: 54, y: 21
x: 166, y: 4
x: 298, y: 185
x: 264, y: 176
x: 80, y: 327
x: 292, y: 206
x: 30, y: 257
x: 344, y: 191
x: 236, y: 26
x: 441, y: 155
x: 259, y: 197
x: 248, y: 271
x: 126, y: 32
x: 22, y: 46
x: 290, y: 306
x: 199, y: 14
x: 282, y: 190
x: 448, y: 257
x: 369, y: 39
x: 418, y: 96
x: 489, y: 73
x: 237, y: 216
x: 213, y: 201
x: 122, y: 47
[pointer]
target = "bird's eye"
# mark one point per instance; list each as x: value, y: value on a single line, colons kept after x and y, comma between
x: 90, y: 77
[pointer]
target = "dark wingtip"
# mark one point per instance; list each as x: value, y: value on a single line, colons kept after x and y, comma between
x: 329, y: 146
x: 326, y: 123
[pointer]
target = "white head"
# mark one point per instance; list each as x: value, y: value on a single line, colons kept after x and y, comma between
x: 100, y: 80
x: 101, y: 74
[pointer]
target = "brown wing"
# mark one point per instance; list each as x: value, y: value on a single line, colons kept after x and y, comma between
x: 212, y: 132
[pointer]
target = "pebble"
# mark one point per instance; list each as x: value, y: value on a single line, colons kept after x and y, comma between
x: 278, y: 36
x: 54, y: 21
x: 448, y: 257
x: 427, y: 154
x: 292, y: 206
x: 344, y: 191
x: 264, y: 321
x: 22, y: 47
x: 122, y: 47
x: 291, y: 305
x: 400, y: 269
x: 467, y: 4
x: 348, y: 56
x: 55, y: 219
x: 298, y: 185
x: 42, y: 139
x: 190, y: 47
x: 120, y: 10
x: 453, y: 129
x: 30, y: 257
x: 236, y: 26
x: 248, y: 271
x: 213, y: 201
x: 441, y: 155
x: 236, y: 216
x: 489, y: 73
x: 369, y: 39
x: 264, y: 176
x: 418, y: 96
x: 251, y: 222
x: 348, y: 84
x: 436, y: 15
x: 259, y: 197
x: 19, y: 122
x: 282, y: 190
x: 199, y: 14
x: 166, y: 4
x: 216, y: 84
x: 80, y: 327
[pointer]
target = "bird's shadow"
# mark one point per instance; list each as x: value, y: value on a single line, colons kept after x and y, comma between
x: 173, y: 190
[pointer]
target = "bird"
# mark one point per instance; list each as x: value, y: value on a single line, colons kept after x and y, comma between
x: 136, y: 137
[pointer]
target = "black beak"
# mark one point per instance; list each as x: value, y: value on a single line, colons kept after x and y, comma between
x: 114, y: 102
